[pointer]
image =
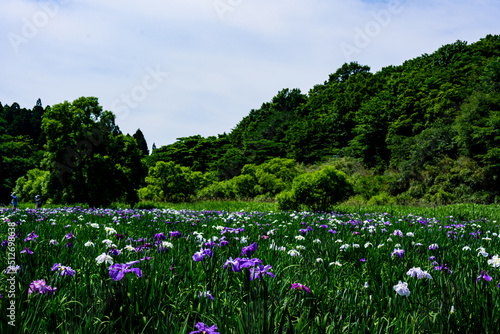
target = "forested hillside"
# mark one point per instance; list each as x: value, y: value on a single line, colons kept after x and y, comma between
x: 426, y: 130
x: 68, y: 153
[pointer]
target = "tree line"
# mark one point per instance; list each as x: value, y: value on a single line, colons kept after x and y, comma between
x: 427, y: 130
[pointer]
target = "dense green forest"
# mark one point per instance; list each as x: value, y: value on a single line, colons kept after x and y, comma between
x: 424, y: 131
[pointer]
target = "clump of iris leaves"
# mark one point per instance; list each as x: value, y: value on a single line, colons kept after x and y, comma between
x: 171, y: 271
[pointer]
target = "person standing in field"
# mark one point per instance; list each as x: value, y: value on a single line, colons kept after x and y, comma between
x: 14, y: 200
x: 38, y: 202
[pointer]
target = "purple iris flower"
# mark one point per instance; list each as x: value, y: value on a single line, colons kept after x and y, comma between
x: 398, y: 233
x: 363, y: 260
x: 484, y: 275
x: 210, y: 244
x: 332, y: 231
x: 432, y: 258
x: 63, y: 270
x: 208, y: 252
x: 223, y: 243
x: 69, y: 245
x: 69, y: 235
x: 300, y: 287
x: 249, y: 250
x: 160, y: 236
x: 118, y: 270
x: 31, y: 236
x: 119, y: 236
x: 114, y: 252
x: 142, y: 247
x: 175, y: 234
x: 27, y: 250
x: 398, y: 252
x: 204, y: 329
x: 235, y: 264
x: 238, y: 263
x: 199, y: 256
x: 247, y: 263
x: 259, y: 271
x: 443, y: 267
x: 41, y: 287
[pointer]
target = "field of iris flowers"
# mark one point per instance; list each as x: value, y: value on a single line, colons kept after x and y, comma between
x: 77, y: 270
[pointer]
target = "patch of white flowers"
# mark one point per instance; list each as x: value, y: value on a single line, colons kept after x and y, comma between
x: 494, y: 261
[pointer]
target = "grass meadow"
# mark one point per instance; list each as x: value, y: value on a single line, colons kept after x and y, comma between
x: 233, y: 267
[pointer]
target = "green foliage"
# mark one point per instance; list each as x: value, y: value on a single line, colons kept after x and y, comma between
x: 89, y: 159
x: 287, y: 201
x: 229, y: 164
x: 318, y: 190
x: 381, y: 198
x: 261, y: 133
x: 450, y: 181
x: 141, y: 142
x: 218, y: 190
x: 21, y: 141
x: 34, y: 183
x: 18, y: 156
x: 372, y: 122
x: 265, y: 180
x: 168, y: 181
x: 370, y: 185
x: 348, y: 70
x: 197, y: 153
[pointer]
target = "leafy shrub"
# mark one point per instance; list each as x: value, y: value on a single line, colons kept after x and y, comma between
x: 244, y: 186
x: 317, y: 191
x: 286, y: 201
x: 262, y: 181
x: 170, y: 182
x: 381, y: 198
x: 34, y: 183
x: 218, y: 190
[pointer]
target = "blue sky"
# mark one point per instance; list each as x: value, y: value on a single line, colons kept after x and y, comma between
x: 185, y: 67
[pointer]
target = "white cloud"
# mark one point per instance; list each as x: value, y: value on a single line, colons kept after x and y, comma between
x: 219, y: 68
